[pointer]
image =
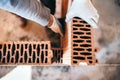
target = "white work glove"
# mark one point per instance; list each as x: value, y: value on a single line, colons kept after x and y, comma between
x: 85, y: 10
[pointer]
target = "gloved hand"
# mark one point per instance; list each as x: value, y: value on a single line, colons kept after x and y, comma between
x: 56, y: 26
x: 85, y: 10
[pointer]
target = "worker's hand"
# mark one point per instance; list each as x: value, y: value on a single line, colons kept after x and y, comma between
x: 55, y: 26
x: 85, y: 10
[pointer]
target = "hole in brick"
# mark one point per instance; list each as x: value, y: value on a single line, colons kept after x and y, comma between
x: 38, y: 60
x: 78, y: 33
x: 42, y: 45
x: 56, y: 52
x: 3, y: 60
x: 89, y: 57
x: 21, y: 50
x: 83, y: 22
x: 9, y: 46
x: 89, y: 49
x: 61, y: 61
x: 12, y: 60
x: 25, y: 56
x: 54, y: 59
x: 85, y: 45
x: 30, y: 50
x: 89, y: 41
x: 84, y: 29
x: 77, y: 18
x: 58, y: 57
x: 21, y: 60
x: 0, y: 46
x: 59, y: 52
x: 78, y: 49
x: 0, y: 55
x: 29, y: 61
x: 85, y: 37
x: 17, y: 57
x: 26, y: 46
x: 85, y: 53
x: 96, y: 50
x: 75, y: 62
x: 88, y: 33
x: 75, y: 28
x: 75, y: 53
x: 38, y: 48
x: 34, y: 46
x: 88, y: 26
x: 46, y: 60
x: 62, y: 52
x: 46, y: 53
x: 18, y: 46
x: 55, y: 56
x: 34, y: 57
x: 8, y: 56
x: 46, y: 46
x: 13, y: 49
x: 96, y: 61
x: 4, y: 50
x: 78, y: 25
x: 78, y: 41
x: 79, y: 58
x: 75, y: 21
x: 42, y: 57
x: 75, y: 36
x: 75, y: 45
x: 90, y: 62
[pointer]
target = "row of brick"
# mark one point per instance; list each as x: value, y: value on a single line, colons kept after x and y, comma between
x: 29, y: 53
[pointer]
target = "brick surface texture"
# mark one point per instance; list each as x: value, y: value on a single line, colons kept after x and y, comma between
x: 82, y: 43
x: 38, y: 53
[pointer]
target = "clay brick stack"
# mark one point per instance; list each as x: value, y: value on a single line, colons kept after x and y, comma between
x: 30, y: 53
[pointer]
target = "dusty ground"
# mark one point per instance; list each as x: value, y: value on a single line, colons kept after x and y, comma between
x: 109, y: 23
x: 109, y: 20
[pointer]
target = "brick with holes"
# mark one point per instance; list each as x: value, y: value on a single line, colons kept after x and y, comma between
x: 25, y: 53
x: 78, y: 44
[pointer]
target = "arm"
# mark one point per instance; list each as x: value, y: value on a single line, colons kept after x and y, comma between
x: 29, y: 9
x: 33, y: 10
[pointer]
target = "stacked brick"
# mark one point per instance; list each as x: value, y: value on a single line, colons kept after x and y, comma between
x: 57, y: 55
x: 28, y: 53
x: 82, y: 43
